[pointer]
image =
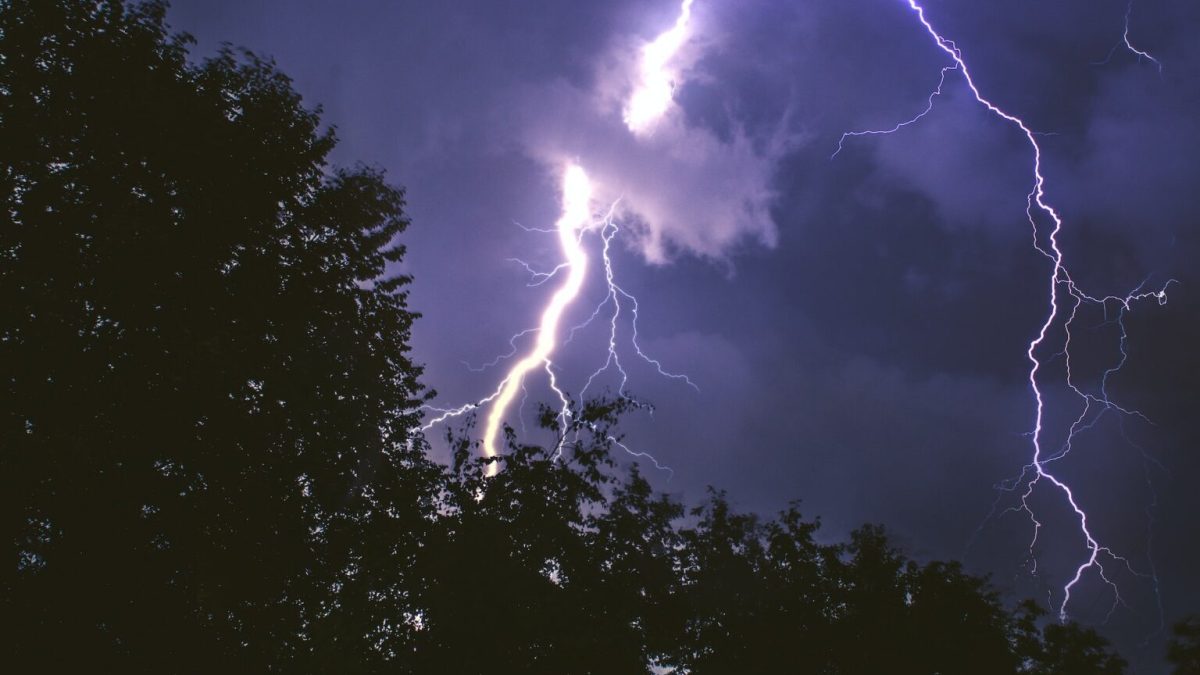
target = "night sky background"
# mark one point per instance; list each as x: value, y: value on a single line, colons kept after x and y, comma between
x: 857, y: 326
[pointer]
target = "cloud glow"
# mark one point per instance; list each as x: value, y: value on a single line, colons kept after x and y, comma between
x: 656, y: 85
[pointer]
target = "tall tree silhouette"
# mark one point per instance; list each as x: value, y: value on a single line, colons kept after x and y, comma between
x: 205, y: 389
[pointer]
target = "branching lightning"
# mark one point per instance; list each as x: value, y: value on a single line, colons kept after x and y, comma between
x: 613, y: 298
x: 649, y: 101
x: 575, y: 219
x: 1128, y: 44
x: 1064, y: 301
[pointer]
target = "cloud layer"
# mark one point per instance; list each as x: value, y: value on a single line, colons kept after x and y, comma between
x: 684, y: 187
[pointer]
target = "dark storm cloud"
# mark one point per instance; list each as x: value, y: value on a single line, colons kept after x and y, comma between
x: 867, y: 351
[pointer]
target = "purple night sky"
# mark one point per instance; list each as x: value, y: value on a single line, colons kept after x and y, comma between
x: 857, y: 326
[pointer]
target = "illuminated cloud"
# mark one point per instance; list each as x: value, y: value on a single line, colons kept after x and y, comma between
x: 655, y: 83
x: 684, y: 188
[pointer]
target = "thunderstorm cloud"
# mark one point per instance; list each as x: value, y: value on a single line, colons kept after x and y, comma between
x: 684, y: 186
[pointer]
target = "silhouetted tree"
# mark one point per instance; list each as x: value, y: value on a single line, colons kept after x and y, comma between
x: 1071, y: 649
x: 1183, y: 651
x: 206, y: 397
x: 724, y: 603
x: 552, y: 566
x: 961, y: 618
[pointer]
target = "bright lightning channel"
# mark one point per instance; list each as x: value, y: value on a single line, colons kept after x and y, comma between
x: 576, y: 216
x: 649, y: 101
x: 655, y: 89
x: 1128, y: 45
x: 1062, y: 291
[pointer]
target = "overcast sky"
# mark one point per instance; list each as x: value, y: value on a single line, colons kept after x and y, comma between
x: 856, y: 325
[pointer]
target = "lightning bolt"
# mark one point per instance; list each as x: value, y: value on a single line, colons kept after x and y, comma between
x: 613, y: 298
x: 576, y: 217
x: 1064, y: 299
x: 1128, y: 45
x: 649, y: 101
x: 654, y: 92
x: 899, y: 125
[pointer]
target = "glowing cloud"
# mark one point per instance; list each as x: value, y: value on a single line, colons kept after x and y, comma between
x: 686, y: 187
x: 655, y: 87
x: 653, y: 179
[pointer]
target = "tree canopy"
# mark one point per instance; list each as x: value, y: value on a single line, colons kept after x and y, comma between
x: 209, y: 430
x: 206, y: 393
x: 1184, y: 648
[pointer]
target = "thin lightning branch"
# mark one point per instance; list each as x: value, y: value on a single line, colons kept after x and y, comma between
x: 643, y: 455
x: 1128, y: 44
x: 876, y: 132
x: 539, y: 278
x: 614, y: 296
x: 521, y: 407
x: 564, y: 412
x: 613, y: 358
x: 1064, y: 301
x: 512, y: 342
x: 543, y: 230
x: 449, y: 413
x: 642, y: 355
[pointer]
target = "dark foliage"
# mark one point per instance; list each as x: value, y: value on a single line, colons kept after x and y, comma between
x: 208, y: 446
x: 1184, y: 649
x: 205, y: 392
x: 564, y: 564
